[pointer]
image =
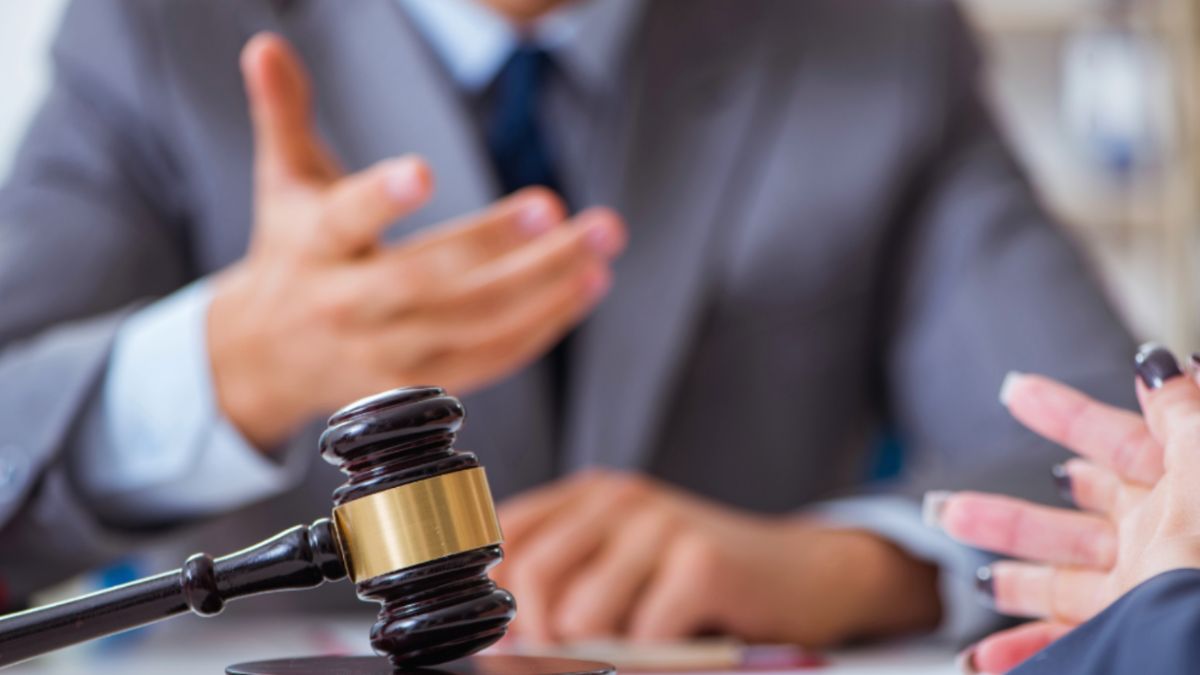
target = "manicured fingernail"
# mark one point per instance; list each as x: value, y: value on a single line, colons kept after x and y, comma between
x: 965, y: 661
x: 536, y: 217
x: 933, y: 506
x: 1196, y: 362
x: 985, y: 586
x: 1156, y: 365
x: 1006, y: 387
x: 405, y: 182
x: 1062, y: 481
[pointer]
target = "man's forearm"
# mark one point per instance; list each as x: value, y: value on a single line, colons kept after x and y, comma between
x: 893, y: 593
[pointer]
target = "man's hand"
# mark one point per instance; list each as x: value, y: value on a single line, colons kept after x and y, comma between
x: 319, y: 312
x: 1140, y: 510
x: 605, y: 554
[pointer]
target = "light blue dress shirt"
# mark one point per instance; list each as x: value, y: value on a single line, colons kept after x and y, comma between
x: 172, y: 453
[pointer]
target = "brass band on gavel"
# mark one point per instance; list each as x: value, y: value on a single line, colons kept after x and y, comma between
x: 415, y: 523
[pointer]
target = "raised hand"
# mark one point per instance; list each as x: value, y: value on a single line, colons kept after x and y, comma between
x: 320, y: 312
x: 1140, y: 513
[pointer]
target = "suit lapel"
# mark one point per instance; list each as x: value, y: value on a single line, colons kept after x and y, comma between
x: 679, y: 175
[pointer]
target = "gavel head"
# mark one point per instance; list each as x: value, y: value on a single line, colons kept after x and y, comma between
x: 417, y: 526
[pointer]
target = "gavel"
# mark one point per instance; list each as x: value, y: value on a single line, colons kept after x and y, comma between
x: 413, y: 526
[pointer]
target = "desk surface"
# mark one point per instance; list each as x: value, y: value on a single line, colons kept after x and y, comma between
x: 194, y: 646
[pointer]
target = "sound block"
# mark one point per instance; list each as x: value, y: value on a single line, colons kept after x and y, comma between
x: 378, y: 665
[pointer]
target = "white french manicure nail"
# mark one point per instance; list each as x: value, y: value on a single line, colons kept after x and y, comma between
x: 1010, y: 383
x: 933, y: 506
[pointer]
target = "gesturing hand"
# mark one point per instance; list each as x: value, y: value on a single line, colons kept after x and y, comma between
x: 606, y: 554
x: 1137, y: 490
x: 319, y: 312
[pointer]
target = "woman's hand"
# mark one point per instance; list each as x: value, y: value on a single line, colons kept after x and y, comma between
x: 1136, y: 488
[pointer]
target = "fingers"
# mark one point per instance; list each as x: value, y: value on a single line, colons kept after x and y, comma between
x: 286, y: 145
x: 675, y: 605
x: 1099, y: 490
x: 470, y: 241
x: 538, y: 569
x: 444, y: 267
x: 1004, y: 651
x: 466, y: 329
x: 360, y: 207
x: 523, y: 514
x: 499, y: 345
x: 487, y: 291
x: 1170, y: 402
x: 1041, y: 591
x: 1110, y: 436
x: 1020, y: 529
x: 598, y: 600
x: 557, y: 255
x: 1089, y: 486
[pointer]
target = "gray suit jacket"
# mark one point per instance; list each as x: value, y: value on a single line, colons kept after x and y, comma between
x: 827, y: 236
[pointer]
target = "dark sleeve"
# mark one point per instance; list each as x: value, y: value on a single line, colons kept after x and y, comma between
x: 984, y: 283
x: 91, y: 223
x: 1155, y: 628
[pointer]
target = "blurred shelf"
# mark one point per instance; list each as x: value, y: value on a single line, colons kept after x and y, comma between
x: 1025, y: 16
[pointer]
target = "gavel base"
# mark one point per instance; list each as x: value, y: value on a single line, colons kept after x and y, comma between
x: 377, y: 665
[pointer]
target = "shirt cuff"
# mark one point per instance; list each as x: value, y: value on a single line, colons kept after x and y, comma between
x: 166, y: 452
x: 964, y: 617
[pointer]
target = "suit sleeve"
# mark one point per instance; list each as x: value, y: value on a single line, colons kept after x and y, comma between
x: 1155, y: 628
x: 982, y: 283
x: 91, y: 226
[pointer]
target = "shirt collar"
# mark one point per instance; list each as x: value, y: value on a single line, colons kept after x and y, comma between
x: 474, y: 42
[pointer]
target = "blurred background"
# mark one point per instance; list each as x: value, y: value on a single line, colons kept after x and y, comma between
x: 1101, y: 98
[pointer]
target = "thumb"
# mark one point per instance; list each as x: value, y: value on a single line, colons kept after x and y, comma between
x: 286, y: 146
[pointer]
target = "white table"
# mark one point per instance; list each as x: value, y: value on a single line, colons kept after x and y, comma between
x: 194, y: 646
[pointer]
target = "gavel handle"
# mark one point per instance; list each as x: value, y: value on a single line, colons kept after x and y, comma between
x: 302, y: 557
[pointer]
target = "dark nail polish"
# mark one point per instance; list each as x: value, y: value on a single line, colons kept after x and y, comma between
x: 1196, y: 361
x: 985, y: 586
x: 1156, y: 365
x: 1062, y: 480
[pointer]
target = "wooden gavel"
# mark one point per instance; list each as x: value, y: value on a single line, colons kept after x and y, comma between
x: 414, y: 527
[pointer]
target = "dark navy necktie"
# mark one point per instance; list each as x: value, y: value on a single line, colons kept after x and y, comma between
x: 521, y: 156
x: 515, y: 137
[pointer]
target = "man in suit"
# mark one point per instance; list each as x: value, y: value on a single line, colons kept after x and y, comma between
x: 826, y: 235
